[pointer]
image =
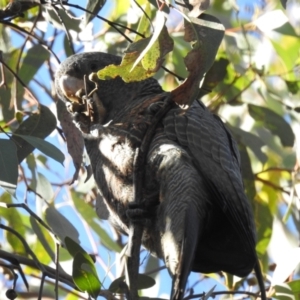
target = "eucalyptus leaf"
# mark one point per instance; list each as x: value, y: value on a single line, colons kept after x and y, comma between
x: 89, y: 214
x: 61, y: 226
x: 8, y: 165
x: 85, y: 275
x: 94, y: 7
x: 45, y: 147
x: 144, y: 282
x: 39, y: 124
x: 274, y: 122
x: 33, y: 60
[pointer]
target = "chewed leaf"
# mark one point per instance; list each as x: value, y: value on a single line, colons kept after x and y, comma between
x: 206, y: 32
x: 123, y: 70
x: 159, y: 45
x: 143, y: 58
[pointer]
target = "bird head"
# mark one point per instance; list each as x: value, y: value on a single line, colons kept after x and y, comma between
x: 99, y: 100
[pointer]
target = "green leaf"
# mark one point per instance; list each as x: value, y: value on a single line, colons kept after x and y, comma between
x: 61, y: 226
x: 5, y: 41
x: 64, y: 18
x: 39, y: 124
x: 293, y: 86
x: 250, y: 140
x: 295, y: 286
x: 143, y: 57
x: 89, y: 214
x: 45, y: 147
x: 215, y: 75
x: 144, y: 282
x: 85, y: 275
x: 287, y: 29
x: 33, y: 60
x: 73, y: 247
x: 45, y: 239
x: 8, y: 166
x: 274, y: 122
x: 287, y: 49
x: 42, y: 187
x: 159, y: 45
x: 15, y: 221
x: 264, y: 225
x: 283, y: 292
x: 144, y: 23
x: 94, y: 7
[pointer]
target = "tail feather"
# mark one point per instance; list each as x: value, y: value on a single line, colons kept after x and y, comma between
x: 260, y: 280
x: 188, y: 248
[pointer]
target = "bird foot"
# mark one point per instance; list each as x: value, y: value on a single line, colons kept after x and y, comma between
x: 82, y: 122
x: 142, y: 213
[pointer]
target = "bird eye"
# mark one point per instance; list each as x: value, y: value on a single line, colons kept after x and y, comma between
x: 76, y: 67
x: 94, y: 67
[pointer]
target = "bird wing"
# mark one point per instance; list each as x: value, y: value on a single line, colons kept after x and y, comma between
x: 216, y: 158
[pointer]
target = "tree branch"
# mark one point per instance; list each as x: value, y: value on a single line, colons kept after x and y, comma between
x: 136, y: 230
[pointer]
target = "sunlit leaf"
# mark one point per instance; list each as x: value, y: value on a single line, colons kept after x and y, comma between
x: 283, y: 292
x: 264, y: 225
x: 159, y: 45
x: 45, y: 241
x: 295, y: 286
x: 73, y: 247
x: 85, y: 274
x: 14, y: 219
x: 287, y: 49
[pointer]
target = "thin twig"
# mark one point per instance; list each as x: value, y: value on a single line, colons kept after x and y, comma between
x: 41, y: 42
x: 69, y: 38
x: 57, y: 269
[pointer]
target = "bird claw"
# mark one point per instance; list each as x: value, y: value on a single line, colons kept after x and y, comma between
x: 82, y: 122
x: 141, y: 213
x: 153, y: 108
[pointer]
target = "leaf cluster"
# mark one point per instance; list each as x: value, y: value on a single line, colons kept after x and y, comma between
x: 253, y: 85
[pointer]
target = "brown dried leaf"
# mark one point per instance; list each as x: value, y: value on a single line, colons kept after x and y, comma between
x: 75, y: 142
x: 207, y: 33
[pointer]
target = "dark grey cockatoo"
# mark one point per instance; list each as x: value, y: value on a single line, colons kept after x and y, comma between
x: 198, y: 217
